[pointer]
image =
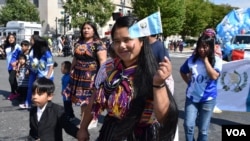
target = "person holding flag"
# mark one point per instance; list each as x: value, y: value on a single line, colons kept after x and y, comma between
x: 139, y: 104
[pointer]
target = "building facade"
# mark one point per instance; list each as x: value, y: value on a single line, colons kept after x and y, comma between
x: 51, y: 11
x: 122, y: 6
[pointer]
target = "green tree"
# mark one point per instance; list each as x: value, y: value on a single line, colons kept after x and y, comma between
x: 218, y: 13
x: 198, y: 17
x: 202, y: 14
x: 22, y: 10
x: 98, y: 11
x: 172, y: 13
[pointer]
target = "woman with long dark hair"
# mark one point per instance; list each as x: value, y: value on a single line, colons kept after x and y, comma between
x: 12, y: 51
x: 89, y: 53
x: 139, y: 104
x: 201, y: 72
x: 41, y: 64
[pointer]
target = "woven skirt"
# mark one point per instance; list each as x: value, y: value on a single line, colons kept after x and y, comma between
x: 80, y: 87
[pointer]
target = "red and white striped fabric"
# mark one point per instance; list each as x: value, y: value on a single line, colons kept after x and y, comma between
x: 240, y: 54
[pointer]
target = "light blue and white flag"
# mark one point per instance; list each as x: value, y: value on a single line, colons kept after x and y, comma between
x: 147, y: 26
x: 235, y: 22
x: 234, y: 86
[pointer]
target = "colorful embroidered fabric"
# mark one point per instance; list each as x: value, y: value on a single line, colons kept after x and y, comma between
x: 85, y: 51
x: 81, y: 82
x: 116, y: 92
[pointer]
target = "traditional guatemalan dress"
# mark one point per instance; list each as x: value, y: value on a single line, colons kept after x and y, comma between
x: 115, y: 94
x: 82, y: 76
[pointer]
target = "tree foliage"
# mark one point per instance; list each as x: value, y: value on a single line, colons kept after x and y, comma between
x: 198, y: 16
x: 184, y: 17
x: 202, y: 14
x: 98, y: 11
x: 218, y: 13
x: 21, y: 10
x: 172, y: 13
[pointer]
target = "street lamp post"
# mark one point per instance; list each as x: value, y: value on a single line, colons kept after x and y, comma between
x: 56, y: 27
x: 64, y: 27
x: 64, y: 21
x: 122, y: 2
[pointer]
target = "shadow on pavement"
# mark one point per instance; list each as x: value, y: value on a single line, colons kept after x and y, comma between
x: 11, y: 139
x: 4, y: 93
x: 217, y: 121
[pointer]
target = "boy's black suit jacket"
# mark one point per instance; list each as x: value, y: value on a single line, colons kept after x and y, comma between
x: 51, y: 123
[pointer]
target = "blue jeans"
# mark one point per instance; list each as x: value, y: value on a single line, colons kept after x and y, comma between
x: 202, y: 112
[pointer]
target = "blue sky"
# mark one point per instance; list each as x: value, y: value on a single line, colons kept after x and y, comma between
x: 234, y: 3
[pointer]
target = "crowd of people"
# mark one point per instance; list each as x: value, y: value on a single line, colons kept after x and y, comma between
x: 130, y: 78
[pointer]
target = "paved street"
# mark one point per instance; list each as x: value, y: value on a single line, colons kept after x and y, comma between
x: 14, y: 125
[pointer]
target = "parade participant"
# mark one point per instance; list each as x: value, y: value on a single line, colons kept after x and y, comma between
x: 60, y: 44
x: 65, y: 69
x: 25, y: 45
x: 89, y: 54
x: 139, y: 104
x: 158, y: 48
x: 46, y: 118
x: 12, y: 51
x: 22, y: 77
x: 41, y: 64
x: 201, y: 72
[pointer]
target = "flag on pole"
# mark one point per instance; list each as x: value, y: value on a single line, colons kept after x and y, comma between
x: 147, y: 26
x: 234, y: 86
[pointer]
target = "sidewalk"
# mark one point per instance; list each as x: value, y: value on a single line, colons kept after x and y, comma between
x: 185, y: 50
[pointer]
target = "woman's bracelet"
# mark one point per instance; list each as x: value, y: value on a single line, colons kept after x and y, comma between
x: 159, y: 86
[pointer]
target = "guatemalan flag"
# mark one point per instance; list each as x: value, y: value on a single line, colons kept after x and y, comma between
x: 234, y: 86
x: 147, y: 26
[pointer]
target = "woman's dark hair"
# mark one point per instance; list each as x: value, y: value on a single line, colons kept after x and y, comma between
x: 33, y: 37
x: 143, y: 90
x: 43, y: 85
x: 8, y: 44
x: 205, y: 40
x: 96, y: 35
x: 40, y: 46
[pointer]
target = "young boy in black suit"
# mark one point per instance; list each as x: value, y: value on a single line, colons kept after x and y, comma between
x: 47, y: 119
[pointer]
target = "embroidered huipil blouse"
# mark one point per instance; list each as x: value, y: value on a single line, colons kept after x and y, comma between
x: 116, y: 93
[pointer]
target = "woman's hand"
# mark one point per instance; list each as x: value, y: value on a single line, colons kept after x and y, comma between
x: 14, y: 64
x: 163, y: 72
x: 205, y: 58
x: 82, y: 135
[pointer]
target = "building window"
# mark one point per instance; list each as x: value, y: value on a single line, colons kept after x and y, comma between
x: 36, y: 3
x: 2, y: 2
x: 59, y: 3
